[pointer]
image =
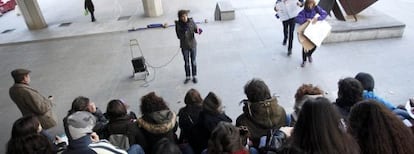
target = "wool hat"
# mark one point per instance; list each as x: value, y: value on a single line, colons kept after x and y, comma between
x: 80, y: 124
x: 366, y: 80
x: 212, y: 103
x: 18, y: 74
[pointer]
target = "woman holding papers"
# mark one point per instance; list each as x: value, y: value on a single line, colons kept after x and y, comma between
x: 310, y: 14
x: 287, y: 11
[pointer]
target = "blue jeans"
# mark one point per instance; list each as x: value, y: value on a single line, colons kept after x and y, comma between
x: 190, y: 54
x: 402, y: 114
x: 135, y: 149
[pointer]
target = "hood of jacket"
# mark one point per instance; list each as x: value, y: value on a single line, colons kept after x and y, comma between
x: 158, y: 122
x: 266, y: 114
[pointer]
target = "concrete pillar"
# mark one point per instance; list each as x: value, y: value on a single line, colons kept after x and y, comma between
x: 32, y: 14
x: 152, y: 8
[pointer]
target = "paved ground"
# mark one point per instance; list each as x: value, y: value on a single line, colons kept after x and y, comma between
x: 93, y: 59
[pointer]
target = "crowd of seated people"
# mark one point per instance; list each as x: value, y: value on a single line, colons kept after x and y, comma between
x: 358, y: 121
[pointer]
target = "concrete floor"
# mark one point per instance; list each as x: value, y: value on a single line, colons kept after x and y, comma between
x: 67, y: 64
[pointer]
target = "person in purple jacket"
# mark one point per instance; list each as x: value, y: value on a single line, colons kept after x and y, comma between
x: 309, y: 14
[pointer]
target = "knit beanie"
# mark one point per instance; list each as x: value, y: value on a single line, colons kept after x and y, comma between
x: 212, y: 104
x: 80, y: 124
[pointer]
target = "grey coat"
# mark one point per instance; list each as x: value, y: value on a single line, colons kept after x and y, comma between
x: 31, y: 102
x: 185, y: 32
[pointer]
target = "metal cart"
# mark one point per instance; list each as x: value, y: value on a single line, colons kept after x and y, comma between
x: 138, y: 63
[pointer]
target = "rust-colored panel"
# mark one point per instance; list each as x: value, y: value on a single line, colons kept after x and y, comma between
x: 353, y: 7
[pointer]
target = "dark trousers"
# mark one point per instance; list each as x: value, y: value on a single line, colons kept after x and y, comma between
x: 307, y: 54
x: 190, y: 54
x: 92, y: 15
x: 289, y: 27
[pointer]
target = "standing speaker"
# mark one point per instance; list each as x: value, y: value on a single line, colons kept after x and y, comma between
x: 139, y: 64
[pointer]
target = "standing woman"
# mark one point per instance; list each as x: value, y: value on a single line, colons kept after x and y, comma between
x: 308, y: 14
x: 287, y: 10
x: 89, y: 7
x: 185, y: 29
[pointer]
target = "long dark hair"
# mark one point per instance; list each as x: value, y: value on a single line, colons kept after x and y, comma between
x: 378, y: 130
x: 116, y: 109
x: 319, y: 130
x: 26, y: 139
x: 193, y: 97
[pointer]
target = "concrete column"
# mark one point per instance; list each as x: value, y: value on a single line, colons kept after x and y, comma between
x: 32, y: 14
x: 152, y: 8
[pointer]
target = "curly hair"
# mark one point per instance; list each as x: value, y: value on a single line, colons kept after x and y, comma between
x: 319, y: 130
x: 193, y: 97
x: 152, y: 103
x: 307, y: 89
x: 378, y: 130
x: 256, y: 90
x: 349, y: 92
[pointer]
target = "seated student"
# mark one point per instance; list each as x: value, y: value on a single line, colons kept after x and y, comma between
x: 368, y: 84
x: 85, y: 141
x: 188, y: 117
x: 120, y: 125
x: 26, y: 138
x: 208, y: 119
x: 304, y: 92
x: 349, y: 93
x: 157, y: 120
x: 318, y: 130
x: 261, y: 111
x: 84, y: 104
x: 226, y: 138
x: 378, y: 131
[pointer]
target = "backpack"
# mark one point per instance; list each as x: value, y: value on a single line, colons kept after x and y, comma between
x: 119, y: 140
x: 273, y: 142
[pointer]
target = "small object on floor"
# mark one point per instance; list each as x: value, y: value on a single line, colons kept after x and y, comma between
x: 310, y: 59
x: 302, y: 65
x: 195, y: 80
x: 289, y: 52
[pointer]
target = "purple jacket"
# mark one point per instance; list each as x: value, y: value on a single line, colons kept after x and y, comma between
x: 309, y: 14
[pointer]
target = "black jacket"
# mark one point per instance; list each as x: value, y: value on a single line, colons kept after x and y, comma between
x: 188, y: 117
x: 207, y: 121
x: 156, y: 126
x: 125, y: 126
